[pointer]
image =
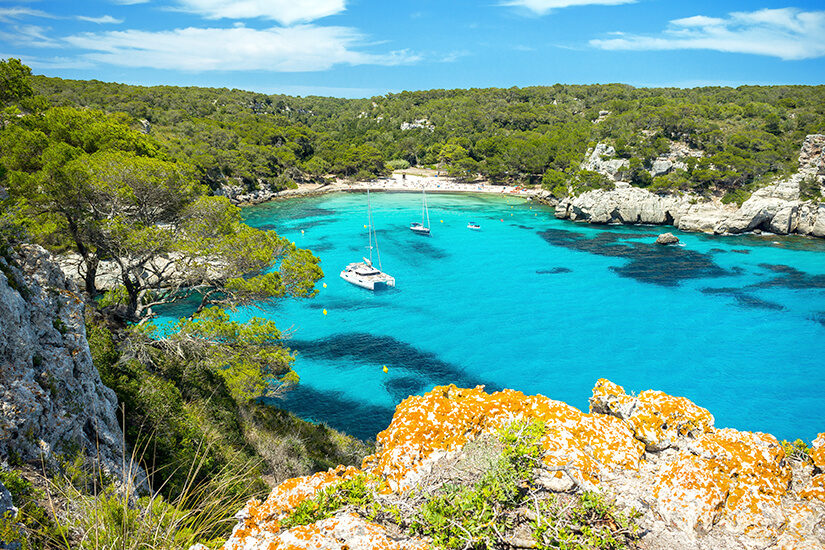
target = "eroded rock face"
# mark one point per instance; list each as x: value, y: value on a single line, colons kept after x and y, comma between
x: 51, y: 396
x: 774, y: 208
x: 697, y: 486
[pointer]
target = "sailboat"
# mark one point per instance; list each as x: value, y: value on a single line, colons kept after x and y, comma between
x: 420, y: 228
x: 365, y: 274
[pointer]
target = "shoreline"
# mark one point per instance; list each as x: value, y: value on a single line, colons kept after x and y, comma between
x: 398, y: 182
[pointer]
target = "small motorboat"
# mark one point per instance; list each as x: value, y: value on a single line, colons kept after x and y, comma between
x: 473, y: 225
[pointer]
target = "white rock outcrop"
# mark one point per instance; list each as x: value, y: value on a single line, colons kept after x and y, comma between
x: 776, y: 208
x: 51, y: 397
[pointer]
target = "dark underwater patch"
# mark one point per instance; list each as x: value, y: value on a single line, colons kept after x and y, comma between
x: 395, y: 354
x: 553, y: 271
x: 648, y: 262
x: 819, y: 318
x: 744, y: 299
x: 423, y: 247
x: 356, y: 418
x: 789, y: 277
x: 401, y: 387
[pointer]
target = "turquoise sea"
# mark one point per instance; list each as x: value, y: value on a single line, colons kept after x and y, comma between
x: 544, y: 306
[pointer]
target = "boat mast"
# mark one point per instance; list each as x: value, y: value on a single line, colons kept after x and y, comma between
x: 426, y: 210
x: 372, y: 232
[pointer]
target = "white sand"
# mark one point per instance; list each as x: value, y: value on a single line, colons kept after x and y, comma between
x: 412, y: 183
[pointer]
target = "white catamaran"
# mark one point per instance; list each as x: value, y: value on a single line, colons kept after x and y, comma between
x: 420, y: 228
x: 364, y: 274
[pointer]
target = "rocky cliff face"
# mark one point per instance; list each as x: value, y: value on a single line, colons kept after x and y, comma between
x: 696, y: 486
x: 51, y: 397
x: 775, y: 208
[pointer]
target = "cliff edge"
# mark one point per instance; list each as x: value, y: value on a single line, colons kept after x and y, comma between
x: 52, y: 400
x: 692, y: 485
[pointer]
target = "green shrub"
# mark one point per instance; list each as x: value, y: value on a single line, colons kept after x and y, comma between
x: 398, y: 164
x: 357, y: 492
x: 737, y: 196
x: 798, y: 450
x: 585, y: 522
x: 810, y: 190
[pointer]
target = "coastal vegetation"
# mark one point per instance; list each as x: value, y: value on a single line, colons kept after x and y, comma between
x: 523, y: 136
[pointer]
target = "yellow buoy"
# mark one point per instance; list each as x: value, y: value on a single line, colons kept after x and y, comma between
x: 442, y: 221
x: 386, y: 369
x: 325, y: 312
x: 325, y: 285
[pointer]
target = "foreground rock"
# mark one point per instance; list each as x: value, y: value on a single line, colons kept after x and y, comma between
x: 51, y: 398
x: 696, y: 486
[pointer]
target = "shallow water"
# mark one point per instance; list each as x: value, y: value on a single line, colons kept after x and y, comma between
x: 545, y: 306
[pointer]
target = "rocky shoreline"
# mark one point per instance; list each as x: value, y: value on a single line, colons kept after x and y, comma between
x: 775, y: 209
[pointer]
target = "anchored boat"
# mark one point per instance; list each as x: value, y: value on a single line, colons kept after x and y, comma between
x: 365, y: 274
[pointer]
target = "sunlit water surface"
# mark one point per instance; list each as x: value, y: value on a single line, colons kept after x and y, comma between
x: 544, y: 306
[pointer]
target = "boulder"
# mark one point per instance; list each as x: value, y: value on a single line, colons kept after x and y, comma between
x: 667, y: 238
x: 660, y: 167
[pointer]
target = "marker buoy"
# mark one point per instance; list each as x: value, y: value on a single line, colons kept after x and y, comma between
x: 386, y: 369
x: 325, y: 312
x: 325, y: 285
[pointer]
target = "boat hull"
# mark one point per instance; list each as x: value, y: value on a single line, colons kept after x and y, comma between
x: 359, y: 274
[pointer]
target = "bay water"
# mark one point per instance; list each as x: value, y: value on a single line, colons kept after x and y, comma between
x: 545, y: 306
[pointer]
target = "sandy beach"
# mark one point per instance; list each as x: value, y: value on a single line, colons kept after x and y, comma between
x: 410, y: 182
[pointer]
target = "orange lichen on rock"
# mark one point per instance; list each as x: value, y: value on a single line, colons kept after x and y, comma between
x: 594, y: 443
x: 657, y: 419
x: 730, y: 478
x: 818, y: 451
x: 690, y: 492
x: 447, y: 417
x: 816, y: 490
x: 346, y: 531
x: 264, y: 517
x: 662, y: 450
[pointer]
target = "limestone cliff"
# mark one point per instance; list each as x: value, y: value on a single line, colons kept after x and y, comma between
x: 51, y: 397
x: 775, y: 208
x: 695, y: 485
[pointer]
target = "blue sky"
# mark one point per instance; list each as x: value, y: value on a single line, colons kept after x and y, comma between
x: 364, y: 48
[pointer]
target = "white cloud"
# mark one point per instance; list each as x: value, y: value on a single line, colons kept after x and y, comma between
x: 293, y: 49
x: 786, y: 33
x: 9, y: 14
x: 28, y: 36
x: 285, y: 12
x: 543, y: 7
x: 100, y: 20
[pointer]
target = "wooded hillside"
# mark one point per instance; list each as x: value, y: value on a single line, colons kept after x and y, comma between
x: 524, y: 136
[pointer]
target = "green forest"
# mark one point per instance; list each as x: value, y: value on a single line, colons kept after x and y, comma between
x: 523, y: 136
